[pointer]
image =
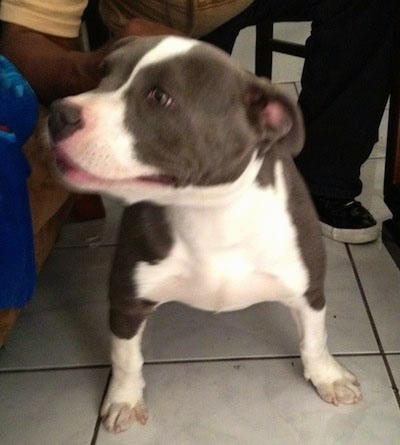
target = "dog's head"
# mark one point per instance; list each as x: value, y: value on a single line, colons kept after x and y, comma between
x: 171, y: 115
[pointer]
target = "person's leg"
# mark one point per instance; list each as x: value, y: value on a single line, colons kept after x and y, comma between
x: 346, y: 82
x: 345, y: 85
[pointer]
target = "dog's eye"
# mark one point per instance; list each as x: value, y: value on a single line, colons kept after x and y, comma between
x: 161, y: 97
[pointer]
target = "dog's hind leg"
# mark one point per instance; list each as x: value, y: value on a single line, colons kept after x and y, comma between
x: 334, y: 383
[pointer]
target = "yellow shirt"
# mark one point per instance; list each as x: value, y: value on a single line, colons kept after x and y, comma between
x: 63, y: 17
x: 193, y: 17
x: 55, y: 17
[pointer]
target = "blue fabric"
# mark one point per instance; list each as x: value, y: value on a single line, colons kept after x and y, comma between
x: 18, y: 117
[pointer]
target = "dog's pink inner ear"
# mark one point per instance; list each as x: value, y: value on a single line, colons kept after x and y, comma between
x: 269, y: 113
x: 274, y: 115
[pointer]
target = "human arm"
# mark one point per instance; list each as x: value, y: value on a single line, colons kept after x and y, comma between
x: 54, y: 66
x: 142, y: 27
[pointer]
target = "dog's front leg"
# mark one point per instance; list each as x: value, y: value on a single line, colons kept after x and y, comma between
x: 144, y: 237
x: 124, y: 403
x: 334, y: 383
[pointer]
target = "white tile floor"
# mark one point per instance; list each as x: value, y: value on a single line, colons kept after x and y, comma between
x: 226, y: 379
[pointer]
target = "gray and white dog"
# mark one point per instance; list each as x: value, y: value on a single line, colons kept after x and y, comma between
x: 217, y: 216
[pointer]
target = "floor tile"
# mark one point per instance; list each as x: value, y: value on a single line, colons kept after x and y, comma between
x: 73, y: 277
x: 244, y: 49
x: 176, y: 332
x: 52, y: 407
x: 394, y: 363
x: 284, y: 68
x: 71, y: 337
x: 68, y: 315
x: 294, y: 32
x: 346, y: 312
x: 289, y: 88
x: 379, y: 150
x: 258, y: 402
x: 380, y: 279
x: 372, y: 174
x: 71, y: 305
x: 93, y: 233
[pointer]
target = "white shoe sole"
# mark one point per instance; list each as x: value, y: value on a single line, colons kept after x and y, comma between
x: 351, y: 236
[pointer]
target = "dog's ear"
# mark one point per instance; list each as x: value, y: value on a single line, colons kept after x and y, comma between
x: 114, y: 46
x: 276, y: 117
x: 121, y: 42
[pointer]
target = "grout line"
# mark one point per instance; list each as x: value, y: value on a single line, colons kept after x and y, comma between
x: 98, y: 420
x: 194, y: 361
x: 288, y: 82
x: 254, y: 359
x: 217, y: 360
x: 374, y: 327
x: 53, y: 368
x: 376, y: 158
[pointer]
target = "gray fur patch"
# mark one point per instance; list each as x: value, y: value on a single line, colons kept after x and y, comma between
x: 144, y: 236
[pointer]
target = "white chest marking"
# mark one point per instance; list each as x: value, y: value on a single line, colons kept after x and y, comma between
x: 229, y: 257
x: 168, y: 48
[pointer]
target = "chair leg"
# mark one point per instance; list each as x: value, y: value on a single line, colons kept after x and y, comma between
x: 263, y: 62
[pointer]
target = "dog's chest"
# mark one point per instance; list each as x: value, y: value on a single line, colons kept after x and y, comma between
x: 228, y: 258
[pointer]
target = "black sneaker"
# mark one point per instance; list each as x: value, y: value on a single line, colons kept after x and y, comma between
x: 346, y: 221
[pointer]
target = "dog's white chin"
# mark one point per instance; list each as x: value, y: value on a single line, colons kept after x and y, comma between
x: 80, y: 179
x: 157, y: 187
x: 193, y: 195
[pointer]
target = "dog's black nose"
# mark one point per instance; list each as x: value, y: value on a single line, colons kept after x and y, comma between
x: 64, y: 119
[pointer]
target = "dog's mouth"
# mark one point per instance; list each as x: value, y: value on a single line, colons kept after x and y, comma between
x: 78, y: 176
x: 157, y: 179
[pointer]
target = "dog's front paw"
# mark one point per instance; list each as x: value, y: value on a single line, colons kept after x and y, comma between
x: 124, y: 404
x: 345, y: 390
x: 118, y: 417
x: 334, y: 383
